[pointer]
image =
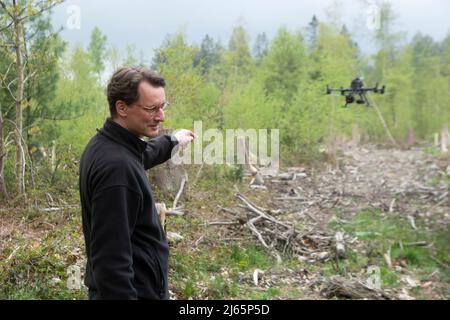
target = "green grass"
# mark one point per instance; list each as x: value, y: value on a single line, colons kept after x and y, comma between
x: 380, y: 232
x: 32, y: 266
x: 215, y: 273
x: 268, y: 294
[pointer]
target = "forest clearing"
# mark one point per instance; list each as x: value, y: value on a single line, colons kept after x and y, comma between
x: 355, y: 204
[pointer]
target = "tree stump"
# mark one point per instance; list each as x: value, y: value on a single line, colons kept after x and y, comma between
x: 168, y: 176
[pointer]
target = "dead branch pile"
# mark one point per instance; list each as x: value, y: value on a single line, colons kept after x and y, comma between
x: 280, y: 237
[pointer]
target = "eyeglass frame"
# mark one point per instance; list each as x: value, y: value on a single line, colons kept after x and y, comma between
x: 154, y: 109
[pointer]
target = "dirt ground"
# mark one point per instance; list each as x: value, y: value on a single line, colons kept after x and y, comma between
x: 301, y: 206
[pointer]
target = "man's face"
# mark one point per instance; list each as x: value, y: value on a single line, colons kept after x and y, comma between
x: 140, y: 120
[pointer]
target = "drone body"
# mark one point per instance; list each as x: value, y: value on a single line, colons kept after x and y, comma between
x: 357, y: 89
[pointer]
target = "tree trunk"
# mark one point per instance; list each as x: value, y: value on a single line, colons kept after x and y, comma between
x: 168, y: 176
x: 20, y: 154
x: 3, y: 191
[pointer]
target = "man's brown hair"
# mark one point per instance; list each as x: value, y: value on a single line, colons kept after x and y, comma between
x: 125, y: 82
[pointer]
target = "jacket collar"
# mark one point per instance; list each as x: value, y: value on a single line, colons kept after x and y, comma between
x: 122, y: 136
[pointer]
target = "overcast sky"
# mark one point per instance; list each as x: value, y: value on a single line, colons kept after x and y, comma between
x: 146, y: 23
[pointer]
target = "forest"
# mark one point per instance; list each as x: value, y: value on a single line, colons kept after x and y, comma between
x: 374, y: 180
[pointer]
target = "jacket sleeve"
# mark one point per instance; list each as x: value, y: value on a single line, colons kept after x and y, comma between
x: 159, y: 150
x: 114, y: 214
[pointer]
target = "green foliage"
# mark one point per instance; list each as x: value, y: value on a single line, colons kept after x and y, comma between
x: 210, y: 55
x: 283, y: 67
x: 239, y: 50
x: 175, y: 60
x: 97, y: 50
x: 261, y: 47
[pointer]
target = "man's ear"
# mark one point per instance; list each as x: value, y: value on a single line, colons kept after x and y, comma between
x: 121, y: 108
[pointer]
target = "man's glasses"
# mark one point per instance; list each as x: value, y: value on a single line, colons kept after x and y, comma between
x: 155, y: 109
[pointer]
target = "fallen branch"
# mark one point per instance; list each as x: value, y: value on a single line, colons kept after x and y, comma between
x: 180, y: 191
x: 412, y: 222
x: 52, y: 209
x: 253, y: 208
x: 251, y: 225
x: 172, y: 212
x: 220, y: 223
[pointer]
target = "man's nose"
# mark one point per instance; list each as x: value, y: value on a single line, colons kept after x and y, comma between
x: 160, y: 115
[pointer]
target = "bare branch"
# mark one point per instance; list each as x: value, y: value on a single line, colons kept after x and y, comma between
x: 29, y: 76
x: 9, y: 89
x: 7, y: 27
x: 253, y: 208
x: 7, y: 70
x: 180, y: 191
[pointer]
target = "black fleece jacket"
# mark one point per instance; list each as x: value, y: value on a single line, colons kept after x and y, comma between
x: 127, y: 252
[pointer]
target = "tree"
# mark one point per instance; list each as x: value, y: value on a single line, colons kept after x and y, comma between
x: 283, y: 67
x: 208, y: 56
x: 175, y: 61
x: 389, y: 44
x: 312, y: 32
x: 113, y: 55
x: 261, y: 47
x: 130, y: 58
x: 238, y: 56
x: 16, y: 16
x: 387, y: 40
x: 346, y: 34
x: 97, y: 51
x: 3, y: 190
x: 428, y: 84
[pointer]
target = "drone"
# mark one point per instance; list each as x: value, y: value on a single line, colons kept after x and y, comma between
x: 357, y: 88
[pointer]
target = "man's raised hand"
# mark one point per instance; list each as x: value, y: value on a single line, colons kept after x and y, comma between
x: 184, y: 137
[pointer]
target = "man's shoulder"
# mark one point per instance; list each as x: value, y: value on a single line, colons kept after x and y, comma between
x: 103, y: 156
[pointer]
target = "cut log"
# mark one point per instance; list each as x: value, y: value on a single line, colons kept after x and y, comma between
x: 162, y: 210
x: 340, y: 287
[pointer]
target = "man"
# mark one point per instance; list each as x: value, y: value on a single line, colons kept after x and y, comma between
x: 127, y: 252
